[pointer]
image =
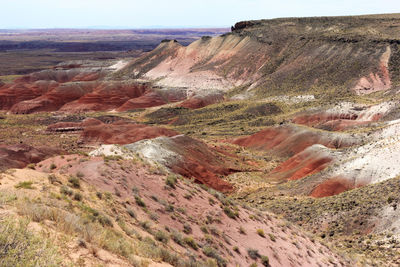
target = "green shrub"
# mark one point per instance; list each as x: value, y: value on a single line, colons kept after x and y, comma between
x: 212, y: 253
x: 204, y: 229
x: 154, y: 216
x: 74, y: 182
x: 31, y: 166
x: 177, y: 238
x: 53, y: 166
x: 24, y: 185
x: 191, y: 242
x: 161, y: 236
x: 131, y: 213
x: 66, y: 191
x: 187, y: 229
x: 53, y: 179
x: 78, y: 196
x: 169, y: 208
x: 104, y: 220
x: 260, y: 232
x: 171, y: 181
x: 230, y: 213
x: 145, y: 225
x: 272, y: 237
x: 140, y: 201
x: 265, y: 260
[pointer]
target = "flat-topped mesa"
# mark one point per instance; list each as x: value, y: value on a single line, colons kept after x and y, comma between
x: 242, y: 25
x: 333, y: 55
x: 374, y: 28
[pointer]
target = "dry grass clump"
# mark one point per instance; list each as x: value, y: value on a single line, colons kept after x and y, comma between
x: 20, y: 247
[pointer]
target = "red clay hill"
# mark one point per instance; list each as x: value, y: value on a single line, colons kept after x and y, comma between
x: 79, y: 90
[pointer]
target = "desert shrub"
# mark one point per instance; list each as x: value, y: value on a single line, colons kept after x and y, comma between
x: 230, y: 213
x: 154, y: 216
x: 145, y: 225
x: 212, y: 253
x: 104, y: 220
x: 80, y: 174
x: 78, y: 196
x: 214, y: 231
x: 74, y: 182
x: 140, y: 201
x: 272, y: 237
x: 188, y: 196
x: 99, y: 195
x: 111, y: 157
x: 181, y: 210
x: 131, y: 213
x: 253, y: 253
x: 161, y: 236
x: 24, y: 185
x: 177, y: 238
x: 116, y: 243
x: 265, y: 260
x: 171, y: 181
x: 53, y: 166
x: 211, y: 201
x: 53, y: 179
x: 204, y: 229
x: 236, y: 249
x: 66, y: 191
x: 260, y: 232
x: 169, y: 208
x: 241, y: 230
x: 20, y: 247
x: 31, y: 166
x: 191, y: 242
x: 187, y: 229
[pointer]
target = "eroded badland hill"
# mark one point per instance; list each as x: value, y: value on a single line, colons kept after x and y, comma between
x: 276, y: 144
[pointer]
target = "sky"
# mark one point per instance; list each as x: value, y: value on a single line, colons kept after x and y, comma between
x: 173, y: 13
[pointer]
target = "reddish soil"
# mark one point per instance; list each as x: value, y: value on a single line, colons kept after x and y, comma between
x: 288, y: 140
x: 18, y: 156
x: 333, y: 122
x: 53, y: 99
x: 78, y: 90
x: 11, y: 94
x: 122, y: 132
x: 106, y: 96
x: 200, y: 102
x: 332, y: 187
x: 119, y: 132
x: 147, y: 100
x: 320, y: 118
x: 73, y: 126
x: 119, y: 177
x: 201, y: 162
x: 307, y: 162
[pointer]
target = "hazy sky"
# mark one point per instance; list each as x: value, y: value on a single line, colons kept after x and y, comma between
x: 173, y: 13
